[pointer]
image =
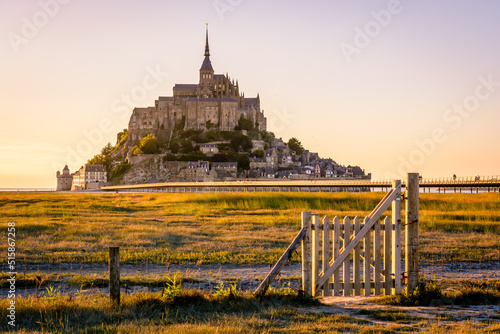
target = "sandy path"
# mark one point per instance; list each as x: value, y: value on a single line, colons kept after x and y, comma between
x: 247, y: 277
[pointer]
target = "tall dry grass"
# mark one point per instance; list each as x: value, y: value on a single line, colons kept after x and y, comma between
x: 222, y: 228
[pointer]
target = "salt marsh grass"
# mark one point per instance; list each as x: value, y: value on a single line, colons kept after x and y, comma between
x: 219, y: 228
x: 226, y: 228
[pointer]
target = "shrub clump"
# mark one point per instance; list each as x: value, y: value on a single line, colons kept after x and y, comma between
x: 423, y: 295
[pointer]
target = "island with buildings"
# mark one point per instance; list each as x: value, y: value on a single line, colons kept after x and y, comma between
x: 208, y: 131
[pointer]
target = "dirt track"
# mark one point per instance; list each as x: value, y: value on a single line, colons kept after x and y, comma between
x: 247, y: 277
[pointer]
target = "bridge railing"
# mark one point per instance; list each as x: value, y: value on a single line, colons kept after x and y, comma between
x: 480, y: 180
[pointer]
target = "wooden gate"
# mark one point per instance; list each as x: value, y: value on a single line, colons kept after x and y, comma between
x: 353, y: 257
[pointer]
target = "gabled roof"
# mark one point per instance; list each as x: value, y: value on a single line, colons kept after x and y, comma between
x: 269, y: 170
x: 224, y: 164
x: 356, y: 170
x: 206, y: 65
x: 186, y: 86
x: 95, y: 168
x: 251, y: 100
x: 210, y: 99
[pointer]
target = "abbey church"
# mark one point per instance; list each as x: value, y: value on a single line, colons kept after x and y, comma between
x: 215, y: 102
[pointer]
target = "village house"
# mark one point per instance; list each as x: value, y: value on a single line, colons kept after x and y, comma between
x: 223, y: 171
x: 257, y: 163
x: 89, y: 177
x: 271, y: 157
x: 258, y: 144
x: 196, y: 171
x: 209, y: 149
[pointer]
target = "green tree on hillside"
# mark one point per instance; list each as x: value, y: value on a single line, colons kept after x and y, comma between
x: 243, y: 161
x: 295, y: 145
x: 147, y: 145
x: 241, y: 142
x: 98, y: 159
x: 258, y: 153
x: 106, y: 150
x: 244, y: 124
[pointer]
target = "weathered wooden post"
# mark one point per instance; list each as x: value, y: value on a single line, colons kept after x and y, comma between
x: 306, y: 255
x: 396, y: 238
x: 411, y: 231
x: 114, y: 275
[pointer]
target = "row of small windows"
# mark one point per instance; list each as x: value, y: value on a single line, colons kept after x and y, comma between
x: 206, y: 76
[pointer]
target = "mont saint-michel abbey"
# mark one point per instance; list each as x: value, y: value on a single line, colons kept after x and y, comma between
x: 214, y: 102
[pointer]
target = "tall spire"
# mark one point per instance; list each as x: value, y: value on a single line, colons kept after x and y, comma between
x: 207, y: 51
x: 206, y: 65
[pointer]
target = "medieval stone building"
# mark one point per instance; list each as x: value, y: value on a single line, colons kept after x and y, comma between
x: 215, y: 102
x: 64, y: 180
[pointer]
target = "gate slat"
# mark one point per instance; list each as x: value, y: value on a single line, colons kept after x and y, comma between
x: 347, y: 261
x: 376, y: 257
x: 326, y: 254
x: 387, y: 255
x: 315, y: 253
x: 306, y: 254
x: 357, y: 260
x: 367, y: 248
x: 336, y: 248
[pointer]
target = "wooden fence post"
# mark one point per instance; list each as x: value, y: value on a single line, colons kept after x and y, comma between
x: 396, y: 238
x: 306, y: 254
x: 114, y: 274
x: 411, y: 231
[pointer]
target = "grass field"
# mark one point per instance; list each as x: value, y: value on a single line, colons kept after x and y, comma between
x: 225, y: 228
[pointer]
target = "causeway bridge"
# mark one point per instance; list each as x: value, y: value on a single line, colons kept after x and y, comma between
x: 458, y: 185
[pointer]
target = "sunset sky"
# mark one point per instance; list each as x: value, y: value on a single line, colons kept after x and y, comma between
x: 391, y: 86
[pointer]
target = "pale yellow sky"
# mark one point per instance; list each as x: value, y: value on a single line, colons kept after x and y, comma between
x: 392, y: 86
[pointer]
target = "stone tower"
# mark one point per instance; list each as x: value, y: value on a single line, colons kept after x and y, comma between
x: 64, y: 180
x: 207, y: 80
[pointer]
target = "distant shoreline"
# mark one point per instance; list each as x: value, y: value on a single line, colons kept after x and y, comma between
x: 16, y: 190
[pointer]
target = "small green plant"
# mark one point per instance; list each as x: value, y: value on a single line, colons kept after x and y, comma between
x: 423, y: 294
x: 229, y: 292
x: 286, y: 291
x: 173, y: 288
x: 79, y: 292
x: 52, y: 294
